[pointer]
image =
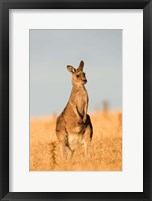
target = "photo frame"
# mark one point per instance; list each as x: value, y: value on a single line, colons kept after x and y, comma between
x: 4, y: 105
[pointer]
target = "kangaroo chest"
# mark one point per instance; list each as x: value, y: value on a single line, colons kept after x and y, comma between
x: 81, y: 99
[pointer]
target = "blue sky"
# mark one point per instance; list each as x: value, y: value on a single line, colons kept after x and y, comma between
x: 50, y: 82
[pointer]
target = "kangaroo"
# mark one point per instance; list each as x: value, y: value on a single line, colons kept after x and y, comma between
x: 73, y: 126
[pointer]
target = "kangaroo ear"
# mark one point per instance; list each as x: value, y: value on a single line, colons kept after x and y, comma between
x: 81, y: 65
x: 71, y: 69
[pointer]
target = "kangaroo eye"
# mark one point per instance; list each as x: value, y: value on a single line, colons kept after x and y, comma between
x: 77, y: 75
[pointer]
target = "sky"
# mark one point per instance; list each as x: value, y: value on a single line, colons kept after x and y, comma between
x: 50, y: 82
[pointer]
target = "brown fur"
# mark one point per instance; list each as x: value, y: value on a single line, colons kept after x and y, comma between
x: 73, y: 126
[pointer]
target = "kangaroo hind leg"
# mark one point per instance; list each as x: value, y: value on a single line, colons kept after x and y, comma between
x: 87, y: 136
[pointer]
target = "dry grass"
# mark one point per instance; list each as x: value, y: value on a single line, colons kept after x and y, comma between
x: 105, y: 151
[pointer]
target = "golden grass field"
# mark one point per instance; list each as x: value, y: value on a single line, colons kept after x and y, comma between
x: 105, y: 151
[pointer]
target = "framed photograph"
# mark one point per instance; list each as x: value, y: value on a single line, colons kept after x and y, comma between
x: 75, y: 100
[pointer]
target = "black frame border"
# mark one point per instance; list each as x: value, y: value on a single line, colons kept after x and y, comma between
x: 5, y: 5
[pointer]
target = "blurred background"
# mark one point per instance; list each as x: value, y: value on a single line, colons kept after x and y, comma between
x: 50, y: 82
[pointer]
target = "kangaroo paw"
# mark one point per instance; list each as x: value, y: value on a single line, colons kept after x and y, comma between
x: 80, y: 122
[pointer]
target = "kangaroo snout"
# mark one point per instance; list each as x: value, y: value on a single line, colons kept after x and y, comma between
x: 85, y: 81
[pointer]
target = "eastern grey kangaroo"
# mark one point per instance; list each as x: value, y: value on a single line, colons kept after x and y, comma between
x: 73, y: 126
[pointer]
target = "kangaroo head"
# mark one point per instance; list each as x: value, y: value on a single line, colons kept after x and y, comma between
x: 78, y: 76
